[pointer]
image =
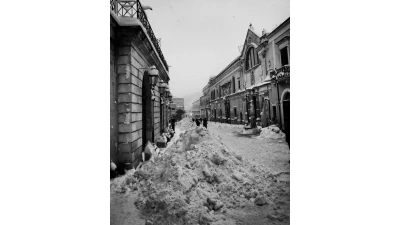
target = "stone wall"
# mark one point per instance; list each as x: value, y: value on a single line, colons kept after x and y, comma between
x: 113, y: 93
x: 135, y: 117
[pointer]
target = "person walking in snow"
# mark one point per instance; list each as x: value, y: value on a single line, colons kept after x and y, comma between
x: 173, y: 124
x: 205, y: 123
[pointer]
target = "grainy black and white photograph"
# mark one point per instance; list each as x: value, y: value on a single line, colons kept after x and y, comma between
x: 179, y: 112
x: 200, y: 112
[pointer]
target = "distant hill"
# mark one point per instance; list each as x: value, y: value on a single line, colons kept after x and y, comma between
x: 189, y: 99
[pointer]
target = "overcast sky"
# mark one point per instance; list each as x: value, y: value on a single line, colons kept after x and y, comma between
x: 199, y: 38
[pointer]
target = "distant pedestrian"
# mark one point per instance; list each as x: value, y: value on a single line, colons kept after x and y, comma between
x: 197, y: 122
x: 173, y: 124
x: 205, y: 123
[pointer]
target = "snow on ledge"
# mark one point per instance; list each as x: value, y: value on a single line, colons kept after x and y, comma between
x: 132, y: 21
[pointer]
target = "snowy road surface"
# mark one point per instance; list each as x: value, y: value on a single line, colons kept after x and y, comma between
x: 179, y: 182
x: 269, y: 152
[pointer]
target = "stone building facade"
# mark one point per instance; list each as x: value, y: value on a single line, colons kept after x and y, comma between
x: 254, y: 88
x: 205, y: 109
x: 138, y: 110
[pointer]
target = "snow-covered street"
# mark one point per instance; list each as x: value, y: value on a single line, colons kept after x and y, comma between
x: 272, y: 153
x: 214, y: 176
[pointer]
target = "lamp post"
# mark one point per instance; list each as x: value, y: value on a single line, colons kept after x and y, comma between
x: 153, y: 74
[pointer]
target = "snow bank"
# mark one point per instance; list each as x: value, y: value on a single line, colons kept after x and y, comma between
x: 197, y: 180
x: 272, y: 132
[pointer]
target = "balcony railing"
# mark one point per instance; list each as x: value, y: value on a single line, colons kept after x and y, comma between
x: 281, y: 73
x: 133, y: 8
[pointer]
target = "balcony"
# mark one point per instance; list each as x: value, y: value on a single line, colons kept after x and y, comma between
x: 281, y: 73
x: 133, y: 9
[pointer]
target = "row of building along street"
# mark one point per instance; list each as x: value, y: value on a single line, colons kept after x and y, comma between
x: 254, y: 89
x: 167, y: 169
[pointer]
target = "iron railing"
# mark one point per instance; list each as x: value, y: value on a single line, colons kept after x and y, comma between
x: 133, y: 8
x: 281, y: 73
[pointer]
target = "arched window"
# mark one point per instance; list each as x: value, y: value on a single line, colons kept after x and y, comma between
x: 251, y: 58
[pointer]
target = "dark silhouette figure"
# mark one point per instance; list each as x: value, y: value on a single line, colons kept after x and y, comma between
x: 197, y: 122
x: 205, y: 122
x: 173, y: 124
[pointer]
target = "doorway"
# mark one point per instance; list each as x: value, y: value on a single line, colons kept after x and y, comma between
x: 227, y: 112
x: 255, y: 111
x: 147, y: 111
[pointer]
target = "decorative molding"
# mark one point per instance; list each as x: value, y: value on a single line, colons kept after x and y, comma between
x: 282, y: 40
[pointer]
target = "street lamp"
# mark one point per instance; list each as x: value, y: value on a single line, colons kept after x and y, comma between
x: 153, y: 73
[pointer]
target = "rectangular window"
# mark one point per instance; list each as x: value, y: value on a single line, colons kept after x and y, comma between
x: 239, y: 83
x: 234, y: 111
x: 233, y: 85
x: 284, y: 56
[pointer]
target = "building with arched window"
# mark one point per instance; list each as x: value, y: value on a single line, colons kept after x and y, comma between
x: 251, y: 58
x: 255, y: 87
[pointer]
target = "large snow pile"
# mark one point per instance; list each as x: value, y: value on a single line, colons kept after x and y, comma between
x: 272, y: 132
x: 199, y: 180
